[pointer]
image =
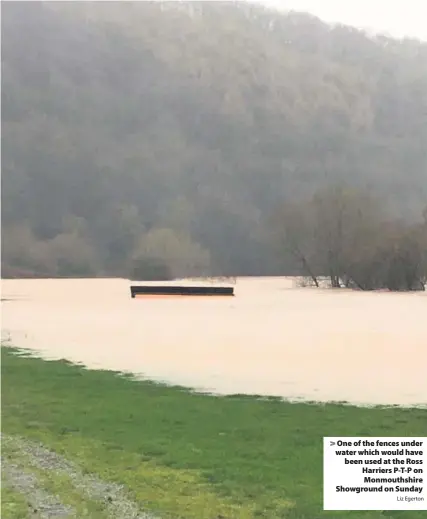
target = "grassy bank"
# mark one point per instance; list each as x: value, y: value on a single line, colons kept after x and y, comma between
x: 13, y: 504
x: 183, y: 455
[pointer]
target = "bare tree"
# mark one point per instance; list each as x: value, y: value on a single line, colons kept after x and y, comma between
x: 345, y: 235
x: 294, y: 235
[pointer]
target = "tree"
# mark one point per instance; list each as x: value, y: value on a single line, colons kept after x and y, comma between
x: 293, y: 232
x: 23, y: 255
x: 150, y: 269
x: 175, y: 251
x: 201, y: 123
x: 344, y: 235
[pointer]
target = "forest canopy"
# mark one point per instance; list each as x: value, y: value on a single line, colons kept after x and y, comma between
x: 164, y: 137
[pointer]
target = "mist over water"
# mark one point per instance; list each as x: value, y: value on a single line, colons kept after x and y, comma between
x: 271, y: 339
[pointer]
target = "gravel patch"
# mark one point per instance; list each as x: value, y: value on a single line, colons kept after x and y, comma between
x: 41, y: 504
x: 117, y: 504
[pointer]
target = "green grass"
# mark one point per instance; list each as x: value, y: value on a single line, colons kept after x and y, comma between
x: 186, y: 455
x: 13, y: 504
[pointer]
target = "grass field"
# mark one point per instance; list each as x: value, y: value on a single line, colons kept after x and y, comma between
x: 177, y: 454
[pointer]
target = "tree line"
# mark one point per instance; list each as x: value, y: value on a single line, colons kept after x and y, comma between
x: 148, y: 139
x: 346, y: 236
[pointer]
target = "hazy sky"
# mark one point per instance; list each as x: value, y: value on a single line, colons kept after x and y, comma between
x: 397, y: 18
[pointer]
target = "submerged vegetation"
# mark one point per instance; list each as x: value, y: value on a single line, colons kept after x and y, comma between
x: 346, y: 235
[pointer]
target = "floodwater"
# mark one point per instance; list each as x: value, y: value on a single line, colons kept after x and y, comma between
x: 271, y: 339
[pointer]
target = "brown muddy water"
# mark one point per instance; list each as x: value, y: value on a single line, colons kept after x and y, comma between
x: 270, y: 339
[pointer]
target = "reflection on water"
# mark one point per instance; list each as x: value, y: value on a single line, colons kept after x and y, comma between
x: 271, y: 339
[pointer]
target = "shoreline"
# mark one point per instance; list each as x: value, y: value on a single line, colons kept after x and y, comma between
x: 163, y: 383
x: 174, y: 453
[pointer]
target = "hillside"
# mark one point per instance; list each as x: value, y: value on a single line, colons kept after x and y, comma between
x: 133, y: 131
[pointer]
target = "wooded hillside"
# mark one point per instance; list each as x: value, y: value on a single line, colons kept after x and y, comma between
x: 141, y: 134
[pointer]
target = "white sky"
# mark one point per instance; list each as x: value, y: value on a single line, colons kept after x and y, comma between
x: 396, y: 18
